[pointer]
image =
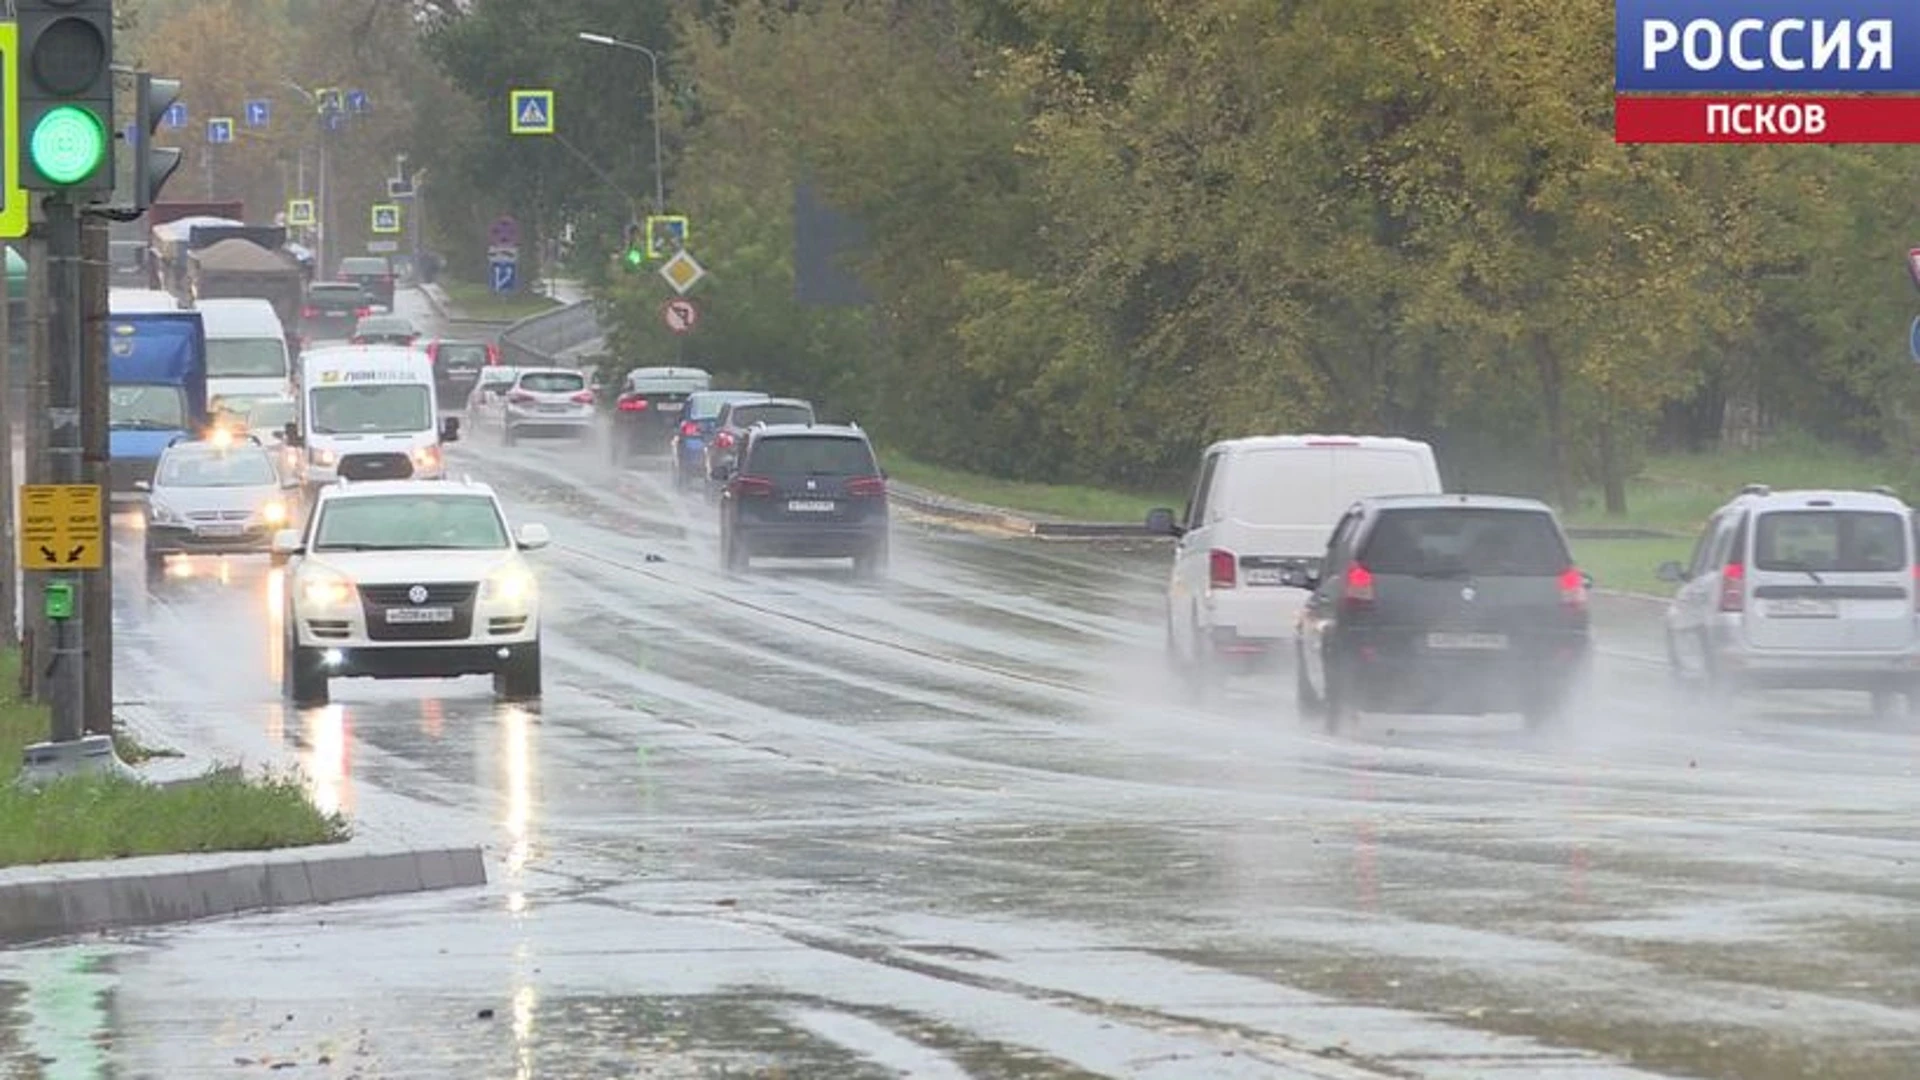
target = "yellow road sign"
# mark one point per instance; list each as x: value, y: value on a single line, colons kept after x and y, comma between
x: 61, y: 527
x: 682, y: 272
x: 14, y: 216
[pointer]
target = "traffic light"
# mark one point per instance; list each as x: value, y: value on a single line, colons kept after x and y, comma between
x: 635, y: 255
x: 153, y: 165
x: 66, y: 94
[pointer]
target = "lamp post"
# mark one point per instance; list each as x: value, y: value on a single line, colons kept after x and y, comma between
x: 653, y: 83
x: 320, y: 227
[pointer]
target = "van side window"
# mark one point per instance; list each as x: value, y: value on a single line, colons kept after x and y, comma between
x: 1202, y: 489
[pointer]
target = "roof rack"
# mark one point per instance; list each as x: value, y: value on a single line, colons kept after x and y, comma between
x: 1756, y: 489
x: 1884, y: 489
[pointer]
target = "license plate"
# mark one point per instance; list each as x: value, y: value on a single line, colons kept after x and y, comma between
x: 810, y: 506
x: 415, y: 615
x: 556, y: 408
x: 1265, y: 575
x: 1802, y: 609
x: 670, y: 406
x: 218, y: 531
x: 1481, y: 642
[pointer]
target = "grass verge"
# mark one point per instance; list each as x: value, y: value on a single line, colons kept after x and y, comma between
x: 107, y: 818
x: 1069, y: 501
x: 477, y: 301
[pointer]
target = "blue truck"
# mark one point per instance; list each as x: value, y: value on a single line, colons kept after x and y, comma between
x: 157, y: 390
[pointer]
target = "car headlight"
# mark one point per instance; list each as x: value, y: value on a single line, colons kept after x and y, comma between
x: 274, y: 512
x: 325, y: 589
x: 162, y: 514
x: 325, y: 458
x: 510, y: 585
x: 425, y: 458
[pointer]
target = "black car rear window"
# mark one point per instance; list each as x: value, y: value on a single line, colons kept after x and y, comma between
x: 463, y: 355
x: 1844, y: 541
x: 343, y: 294
x: 749, y: 415
x: 553, y: 382
x: 1457, y: 540
x: 812, y: 455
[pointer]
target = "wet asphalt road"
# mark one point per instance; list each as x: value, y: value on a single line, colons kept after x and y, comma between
x: 962, y: 824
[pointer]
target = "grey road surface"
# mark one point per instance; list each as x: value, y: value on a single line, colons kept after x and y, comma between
x: 961, y: 823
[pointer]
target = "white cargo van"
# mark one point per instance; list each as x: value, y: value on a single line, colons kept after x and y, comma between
x: 367, y: 412
x: 1258, y: 504
x: 247, y: 355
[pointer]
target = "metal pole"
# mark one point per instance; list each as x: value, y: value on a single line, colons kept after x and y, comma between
x: 65, y: 673
x: 325, y: 225
x: 9, y: 550
x: 35, y: 657
x: 96, y: 586
x: 659, y: 164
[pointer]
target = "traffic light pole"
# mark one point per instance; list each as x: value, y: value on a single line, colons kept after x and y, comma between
x: 65, y: 456
x: 96, y: 586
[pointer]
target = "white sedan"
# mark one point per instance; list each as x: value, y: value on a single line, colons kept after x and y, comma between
x: 405, y: 579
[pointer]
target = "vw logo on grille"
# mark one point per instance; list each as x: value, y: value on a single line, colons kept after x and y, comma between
x: 417, y: 594
x: 811, y: 486
x: 1466, y: 594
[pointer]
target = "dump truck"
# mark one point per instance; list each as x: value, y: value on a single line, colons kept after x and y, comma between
x: 241, y: 267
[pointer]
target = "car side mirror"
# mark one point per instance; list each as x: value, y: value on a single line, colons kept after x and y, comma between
x: 450, y: 429
x: 1670, y: 572
x: 1160, y: 522
x: 291, y: 434
x: 286, y: 544
x: 142, y: 485
x: 533, y: 537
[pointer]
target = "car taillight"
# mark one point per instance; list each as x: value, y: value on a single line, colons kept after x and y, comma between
x: 752, y: 486
x: 1358, y: 590
x: 636, y: 404
x: 867, y: 486
x: 1221, y: 569
x: 724, y: 441
x: 1573, y: 589
x: 1733, y: 587
x: 689, y: 428
x: 309, y: 312
x: 584, y: 397
x: 521, y: 397
x: 363, y: 312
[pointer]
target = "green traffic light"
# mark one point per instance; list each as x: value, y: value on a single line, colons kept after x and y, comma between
x: 68, y: 144
x: 636, y: 257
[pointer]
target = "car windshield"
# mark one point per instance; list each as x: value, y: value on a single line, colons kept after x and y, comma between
x: 553, y: 382
x: 410, y: 522
x: 246, y: 358
x: 211, y: 468
x: 373, y: 409
x: 749, y: 415
x: 462, y: 356
x: 153, y: 408
x: 269, y: 415
x: 702, y: 407
x: 1465, y: 541
x: 829, y: 455
x: 1827, y: 541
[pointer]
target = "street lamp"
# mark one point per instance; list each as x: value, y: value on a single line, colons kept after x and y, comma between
x: 325, y: 215
x: 653, y: 83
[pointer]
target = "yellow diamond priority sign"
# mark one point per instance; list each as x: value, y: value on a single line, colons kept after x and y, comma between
x: 682, y: 272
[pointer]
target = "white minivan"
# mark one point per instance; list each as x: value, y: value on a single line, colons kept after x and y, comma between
x: 247, y: 355
x: 1257, y: 505
x: 368, y: 412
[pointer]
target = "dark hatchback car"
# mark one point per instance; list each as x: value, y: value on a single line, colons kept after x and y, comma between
x: 730, y: 427
x: 697, y: 423
x: 805, y: 492
x: 333, y: 309
x: 385, y: 330
x: 374, y: 274
x: 1443, y: 604
x: 456, y: 368
x: 647, y: 413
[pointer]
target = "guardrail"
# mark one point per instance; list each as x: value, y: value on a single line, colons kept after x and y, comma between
x: 538, y: 340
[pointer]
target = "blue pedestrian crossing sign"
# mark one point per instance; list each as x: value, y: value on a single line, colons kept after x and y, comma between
x: 386, y: 218
x: 176, y: 115
x: 220, y: 130
x: 532, y: 112
x: 666, y: 236
x: 359, y: 102
x: 328, y: 100
x: 505, y: 276
x: 259, y: 111
x: 300, y: 212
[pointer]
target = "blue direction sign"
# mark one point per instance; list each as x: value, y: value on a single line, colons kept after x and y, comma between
x: 259, y: 111
x: 333, y: 121
x: 177, y: 115
x: 220, y: 130
x: 358, y: 102
x: 505, y: 275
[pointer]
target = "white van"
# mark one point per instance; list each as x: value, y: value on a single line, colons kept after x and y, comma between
x: 247, y: 355
x: 367, y: 412
x: 1258, y: 504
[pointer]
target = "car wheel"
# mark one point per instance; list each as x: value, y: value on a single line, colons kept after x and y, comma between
x: 507, y: 435
x: 1545, y: 712
x: 1887, y: 705
x: 156, y: 567
x: 519, y: 680
x: 872, y: 565
x: 305, y: 674
x: 1342, y: 709
x: 1304, y: 698
x: 733, y: 555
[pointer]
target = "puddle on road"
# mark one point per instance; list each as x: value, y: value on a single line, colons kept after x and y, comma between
x: 55, y: 1022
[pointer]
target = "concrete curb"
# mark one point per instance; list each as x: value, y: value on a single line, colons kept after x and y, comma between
x: 67, y: 899
x: 1007, y: 522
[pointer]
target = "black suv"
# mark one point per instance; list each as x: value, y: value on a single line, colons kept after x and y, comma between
x: 1463, y: 604
x: 373, y: 273
x: 805, y: 492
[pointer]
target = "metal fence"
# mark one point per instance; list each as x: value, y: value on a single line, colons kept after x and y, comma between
x: 539, y: 340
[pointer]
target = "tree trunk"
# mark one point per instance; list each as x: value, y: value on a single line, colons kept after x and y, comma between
x: 1553, y: 404
x: 1612, y: 478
